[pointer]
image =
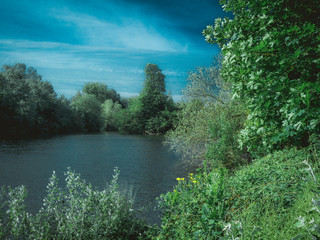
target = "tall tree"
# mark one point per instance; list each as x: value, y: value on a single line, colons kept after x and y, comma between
x: 272, y: 56
x: 153, y: 96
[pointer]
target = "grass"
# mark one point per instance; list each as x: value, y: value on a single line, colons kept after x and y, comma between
x: 268, y: 199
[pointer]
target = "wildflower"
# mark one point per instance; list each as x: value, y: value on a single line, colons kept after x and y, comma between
x: 194, y: 181
x: 180, y: 179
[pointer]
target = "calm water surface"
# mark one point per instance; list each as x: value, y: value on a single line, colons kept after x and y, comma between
x: 143, y: 161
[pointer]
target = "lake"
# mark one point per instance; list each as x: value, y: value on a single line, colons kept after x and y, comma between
x: 144, y: 163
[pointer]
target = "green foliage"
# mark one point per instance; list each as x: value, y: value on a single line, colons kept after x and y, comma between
x: 152, y: 112
x: 78, y: 212
x: 190, y: 134
x: 162, y: 122
x: 157, y: 107
x: 209, y: 122
x: 110, y: 110
x: 29, y: 106
x: 308, y: 221
x: 88, y: 108
x: 154, y: 80
x: 224, y: 127
x: 130, y: 120
x: 275, y: 197
x: 101, y: 92
x: 195, y: 208
x: 271, y: 55
x: 265, y: 198
x: 153, y: 96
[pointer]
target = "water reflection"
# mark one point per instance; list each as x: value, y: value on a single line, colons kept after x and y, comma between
x: 143, y: 162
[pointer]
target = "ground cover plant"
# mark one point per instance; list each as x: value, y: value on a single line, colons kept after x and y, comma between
x: 268, y: 196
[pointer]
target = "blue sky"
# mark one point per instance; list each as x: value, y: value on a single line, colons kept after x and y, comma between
x: 72, y: 42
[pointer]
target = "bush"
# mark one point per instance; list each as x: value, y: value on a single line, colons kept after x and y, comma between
x: 224, y: 127
x: 195, y: 208
x: 79, y: 212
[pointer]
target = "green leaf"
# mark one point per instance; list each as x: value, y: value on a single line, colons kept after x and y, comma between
x: 300, y: 236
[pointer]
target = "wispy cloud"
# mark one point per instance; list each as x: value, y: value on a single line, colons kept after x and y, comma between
x: 123, y: 33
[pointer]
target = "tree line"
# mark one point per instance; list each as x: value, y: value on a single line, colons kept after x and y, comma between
x: 29, y: 106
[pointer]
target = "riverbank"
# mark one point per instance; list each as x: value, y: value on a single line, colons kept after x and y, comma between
x: 276, y: 197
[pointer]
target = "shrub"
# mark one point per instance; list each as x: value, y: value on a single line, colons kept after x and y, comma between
x: 78, y: 212
x: 224, y: 127
x: 195, y: 208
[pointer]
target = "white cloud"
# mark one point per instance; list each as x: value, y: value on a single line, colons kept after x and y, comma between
x: 126, y: 33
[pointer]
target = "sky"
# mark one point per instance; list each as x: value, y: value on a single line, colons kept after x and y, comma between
x: 73, y: 42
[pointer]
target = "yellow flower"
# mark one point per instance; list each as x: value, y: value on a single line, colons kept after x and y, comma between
x: 178, y: 179
x: 191, y: 174
x: 194, y: 181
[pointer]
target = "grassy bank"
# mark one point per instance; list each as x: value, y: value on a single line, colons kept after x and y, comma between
x: 276, y: 197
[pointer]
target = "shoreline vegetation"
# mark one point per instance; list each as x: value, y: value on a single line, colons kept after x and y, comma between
x: 250, y: 122
x: 30, y: 107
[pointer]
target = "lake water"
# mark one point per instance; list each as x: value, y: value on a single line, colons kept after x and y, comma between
x: 143, y: 161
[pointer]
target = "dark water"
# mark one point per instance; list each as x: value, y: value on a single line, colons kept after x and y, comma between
x: 143, y: 161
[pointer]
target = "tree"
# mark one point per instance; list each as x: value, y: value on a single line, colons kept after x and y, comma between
x: 130, y: 119
x: 110, y: 110
x: 28, y: 105
x: 153, y: 95
x: 156, y: 105
x: 271, y: 55
x: 101, y: 91
x: 208, y: 121
x: 88, y: 108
